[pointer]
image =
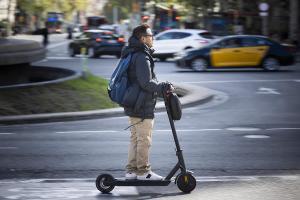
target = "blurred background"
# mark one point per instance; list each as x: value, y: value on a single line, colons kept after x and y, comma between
x: 238, y: 60
x: 278, y: 19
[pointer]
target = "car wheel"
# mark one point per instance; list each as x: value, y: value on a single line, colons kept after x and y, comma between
x: 199, y: 64
x: 71, y: 51
x: 271, y: 64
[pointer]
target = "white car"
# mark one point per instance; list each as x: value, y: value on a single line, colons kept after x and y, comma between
x: 170, y: 42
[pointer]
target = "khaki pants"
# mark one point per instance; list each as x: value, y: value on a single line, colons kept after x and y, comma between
x: 140, y: 142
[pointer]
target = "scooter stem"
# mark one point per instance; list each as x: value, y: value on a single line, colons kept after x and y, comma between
x: 174, y: 133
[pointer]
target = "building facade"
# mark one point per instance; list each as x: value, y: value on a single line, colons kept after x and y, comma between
x: 7, y: 16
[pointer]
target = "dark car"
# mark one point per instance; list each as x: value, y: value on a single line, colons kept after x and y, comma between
x: 237, y: 51
x: 95, y: 43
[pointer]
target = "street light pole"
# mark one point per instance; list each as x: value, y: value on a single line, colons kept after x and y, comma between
x: 115, y: 15
x: 8, y: 27
x: 265, y: 25
x: 264, y: 7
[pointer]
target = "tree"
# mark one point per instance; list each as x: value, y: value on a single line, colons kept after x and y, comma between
x: 40, y: 7
x: 124, y: 8
x: 198, y: 7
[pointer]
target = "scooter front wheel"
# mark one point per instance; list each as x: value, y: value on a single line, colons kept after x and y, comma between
x: 186, y: 182
x: 103, y: 183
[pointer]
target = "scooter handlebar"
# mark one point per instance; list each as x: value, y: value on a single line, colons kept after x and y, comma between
x: 167, y: 88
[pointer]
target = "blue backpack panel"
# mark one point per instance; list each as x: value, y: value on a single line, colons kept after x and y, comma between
x: 119, y: 83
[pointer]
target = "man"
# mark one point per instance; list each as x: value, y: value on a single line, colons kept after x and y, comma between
x: 141, y: 72
x: 45, y: 34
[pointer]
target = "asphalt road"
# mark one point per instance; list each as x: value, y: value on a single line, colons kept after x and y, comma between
x: 244, y: 144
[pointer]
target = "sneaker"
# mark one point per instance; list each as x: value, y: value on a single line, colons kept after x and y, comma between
x: 130, y: 175
x: 150, y: 176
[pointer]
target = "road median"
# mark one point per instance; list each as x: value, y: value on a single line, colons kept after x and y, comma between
x: 190, y: 95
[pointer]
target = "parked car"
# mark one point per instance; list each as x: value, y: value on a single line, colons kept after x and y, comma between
x: 97, y: 43
x: 170, y: 42
x: 237, y: 51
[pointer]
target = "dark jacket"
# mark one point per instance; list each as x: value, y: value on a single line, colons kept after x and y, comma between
x: 141, y: 75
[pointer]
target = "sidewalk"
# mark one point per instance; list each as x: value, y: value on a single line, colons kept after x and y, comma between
x: 208, y: 188
x: 191, y: 95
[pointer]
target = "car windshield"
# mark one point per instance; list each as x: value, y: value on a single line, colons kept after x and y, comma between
x: 215, y: 41
x: 103, y: 35
x: 206, y: 35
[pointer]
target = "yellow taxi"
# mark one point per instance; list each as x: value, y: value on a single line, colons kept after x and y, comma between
x: 235, y: 52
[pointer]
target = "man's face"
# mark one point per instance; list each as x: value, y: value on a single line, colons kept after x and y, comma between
x: 148, y: 38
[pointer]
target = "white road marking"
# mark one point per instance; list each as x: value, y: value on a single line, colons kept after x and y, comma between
x: 59, y: 58
x: 242, y: 129
x: 188, y: 130
x: 241, y: 81
x: 51, y: 46
x: 127, y: 190
x: 178, y: 130
x: 8, y: 148
x: 275, y: 129
x: 159, y: 130
x: 7, y: 133
x: 107, y: 131
x: 256, y: 136
x: 244, y: 178
x: 263, y: 90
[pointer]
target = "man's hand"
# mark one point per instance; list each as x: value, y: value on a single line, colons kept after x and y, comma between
x: 169, y: 88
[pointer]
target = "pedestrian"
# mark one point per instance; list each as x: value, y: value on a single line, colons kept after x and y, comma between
x: 70, y: 32
x: 45, y: 35
x: 141, y: 72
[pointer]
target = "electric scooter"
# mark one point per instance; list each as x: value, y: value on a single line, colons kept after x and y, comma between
x: 185, y: 181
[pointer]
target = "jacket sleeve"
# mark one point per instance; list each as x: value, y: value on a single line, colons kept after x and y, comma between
x: 144, y: 75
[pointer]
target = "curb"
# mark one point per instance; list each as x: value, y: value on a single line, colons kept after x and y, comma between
x: 191, y: 95
x: 14, y: 51
x: 74, y: 75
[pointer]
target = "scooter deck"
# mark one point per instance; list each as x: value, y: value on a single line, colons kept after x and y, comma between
x: 126, y: 182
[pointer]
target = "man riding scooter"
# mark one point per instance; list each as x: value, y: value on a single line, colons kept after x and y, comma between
x: 141, y: 72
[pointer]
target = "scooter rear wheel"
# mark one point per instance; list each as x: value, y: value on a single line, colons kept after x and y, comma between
x: 186, y: 182
x: 102, y: 183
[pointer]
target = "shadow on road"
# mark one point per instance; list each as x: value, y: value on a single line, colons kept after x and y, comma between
x: 140, y: 196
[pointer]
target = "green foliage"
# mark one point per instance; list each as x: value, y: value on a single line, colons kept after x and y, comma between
x: 39, y: 7
x: 198, y: 3
x: 74, y: 95
x: 124, y: 8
